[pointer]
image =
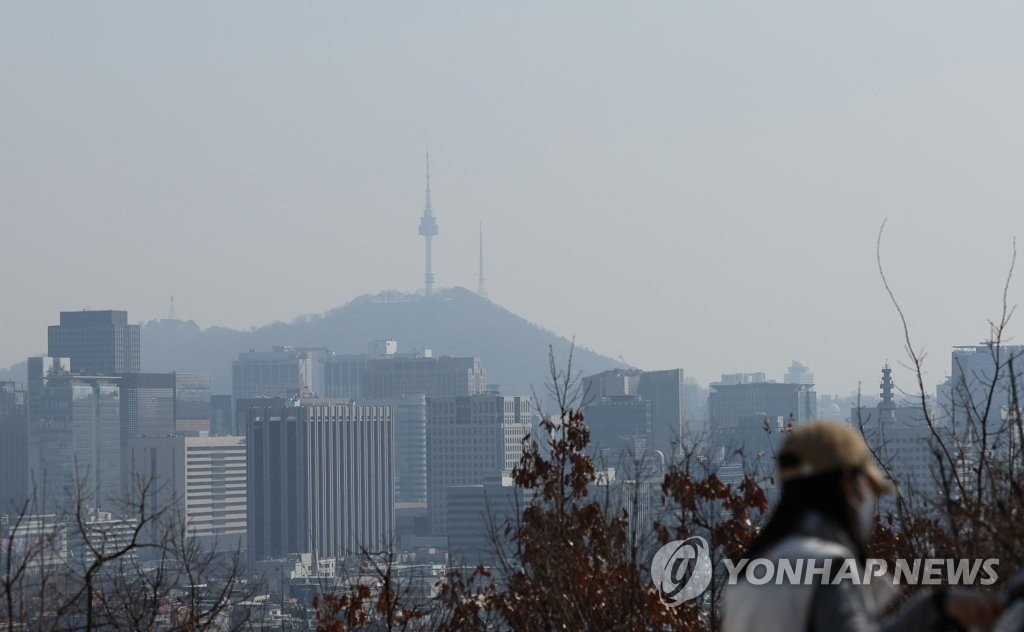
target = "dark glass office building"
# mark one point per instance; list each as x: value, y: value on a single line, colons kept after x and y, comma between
x: 13, y: 448
x: 320, y: 477
x: 74, y: 427
x: 192, y: 399
x: 221, y: 421
x: 98, y: 342
x: 147, y: 405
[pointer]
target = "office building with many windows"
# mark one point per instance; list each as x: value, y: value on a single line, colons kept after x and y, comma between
x: 320, y: 477
x: 74, y: 435
x: 98, y: 342
x: 147, y: 405
x: 468, y: 439
x: 443, y: 376
x: 630, y: 411
x: 14, y: 482
x: 280, y: 372
x: 276, y: 373
x: 203, y: 477
x: 192, y: 402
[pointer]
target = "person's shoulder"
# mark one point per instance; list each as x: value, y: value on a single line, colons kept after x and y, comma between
x: 802, y: 546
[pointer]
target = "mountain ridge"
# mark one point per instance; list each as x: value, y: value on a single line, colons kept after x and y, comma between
x: 453, y: 321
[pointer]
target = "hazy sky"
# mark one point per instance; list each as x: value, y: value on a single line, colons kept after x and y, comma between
x: 684, y: 184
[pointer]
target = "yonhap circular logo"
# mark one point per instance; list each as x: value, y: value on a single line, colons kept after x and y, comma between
x: 682, y: 570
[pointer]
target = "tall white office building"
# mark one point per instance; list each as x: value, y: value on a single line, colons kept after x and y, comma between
x: 203, y: 477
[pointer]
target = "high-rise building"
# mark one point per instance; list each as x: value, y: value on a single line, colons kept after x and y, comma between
x: 221, y: 420
x: 147, y: 405
x: 749, y: 416
x: 384, y: 377
x: 383, y: 373
x: 469, y: 438
x: 281, y: 372
x: 983, y: 381
x: 161, y: 404
x: 203, y: 477
x: 442, y: 376
x: 798, y: 373
x: 695, y: 398
x: 320, y: 477
x: 74, y: 435
x: 665, y: 391
x: 98, y: 342
x: 637, y: 494
x: 343, y: 375
x: 630, y: 411
x: 14, y: 482
x: 406, y: 382
x: 469, y: 509
x: 620, y: 428
x: 729, y: 402
x: 410, y: 424
x: 611, y: 383
x: 276, y: 373
x: 192, y: 401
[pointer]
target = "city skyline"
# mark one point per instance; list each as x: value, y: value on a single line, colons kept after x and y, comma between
x: 935, y: 373
x: 745, y: 299
x: 322, y: 484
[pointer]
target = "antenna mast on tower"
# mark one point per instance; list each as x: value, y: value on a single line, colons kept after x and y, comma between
x: 480, y: 288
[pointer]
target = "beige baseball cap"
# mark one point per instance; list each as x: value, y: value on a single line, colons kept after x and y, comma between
x: 819, y: 447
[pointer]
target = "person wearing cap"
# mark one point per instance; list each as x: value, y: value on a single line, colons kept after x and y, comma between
x: 830, y: 488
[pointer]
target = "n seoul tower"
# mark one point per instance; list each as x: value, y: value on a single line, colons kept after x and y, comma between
x: 428, y: 228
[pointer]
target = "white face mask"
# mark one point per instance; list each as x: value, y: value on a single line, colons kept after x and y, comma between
x: 865, y: 511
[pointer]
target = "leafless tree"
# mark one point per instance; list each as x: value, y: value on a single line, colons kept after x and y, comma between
x: 975, y: 505
x: 131, y: 566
